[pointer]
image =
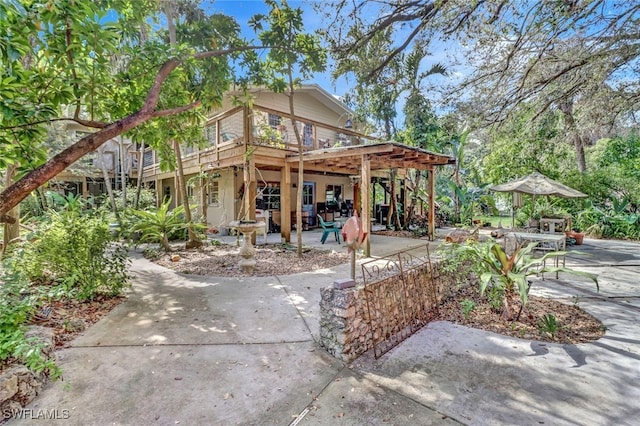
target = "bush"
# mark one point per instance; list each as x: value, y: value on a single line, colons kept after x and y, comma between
x: 18, y: 303
x: 76, y: 253
x: 159, y: 225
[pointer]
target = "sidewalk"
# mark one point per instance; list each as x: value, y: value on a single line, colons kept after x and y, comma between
x: 219, y: 351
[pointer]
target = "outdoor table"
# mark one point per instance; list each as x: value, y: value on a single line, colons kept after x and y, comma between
x: 557, y: 241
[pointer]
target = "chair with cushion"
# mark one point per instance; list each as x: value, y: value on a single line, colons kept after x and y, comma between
x: 328, y: 228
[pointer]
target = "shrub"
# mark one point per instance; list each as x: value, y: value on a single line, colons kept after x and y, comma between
x: 76, y: 253
x: 509, y: 273
x: 549, y: 324
x: 18, y: 302
x: 158, y: 225
x: 467, y: 305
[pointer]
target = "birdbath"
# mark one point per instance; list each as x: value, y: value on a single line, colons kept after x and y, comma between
x: 247, y: 251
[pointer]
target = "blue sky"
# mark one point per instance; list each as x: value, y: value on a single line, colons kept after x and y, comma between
x: 243, y: 10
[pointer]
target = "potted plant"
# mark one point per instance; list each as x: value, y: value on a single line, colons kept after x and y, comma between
x: 576, y: 234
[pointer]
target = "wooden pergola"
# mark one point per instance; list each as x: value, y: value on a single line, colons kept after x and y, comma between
x: 362, y: 161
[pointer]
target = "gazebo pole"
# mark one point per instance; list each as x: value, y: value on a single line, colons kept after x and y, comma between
x: 432, y: 205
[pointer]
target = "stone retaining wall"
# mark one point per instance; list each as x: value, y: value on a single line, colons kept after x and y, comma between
x: 19, y: 385
x: 346, y: 326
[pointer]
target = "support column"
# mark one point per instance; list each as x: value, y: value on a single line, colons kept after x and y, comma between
x: 432, y: 204
x: 285, y: 203
x: 365, y: 182
x: 250, y: 193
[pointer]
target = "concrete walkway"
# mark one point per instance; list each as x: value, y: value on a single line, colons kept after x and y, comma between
x: 219, y: 351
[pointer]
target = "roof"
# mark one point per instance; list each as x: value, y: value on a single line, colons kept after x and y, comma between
x: 383, y: 155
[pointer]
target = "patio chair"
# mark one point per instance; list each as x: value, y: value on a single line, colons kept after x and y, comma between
x: 328, y: 228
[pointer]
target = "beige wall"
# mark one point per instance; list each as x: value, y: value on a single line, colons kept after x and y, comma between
x: 224, y: 212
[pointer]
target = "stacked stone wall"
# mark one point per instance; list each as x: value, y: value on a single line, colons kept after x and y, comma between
x: 350, y: 326
x: 19, y: 385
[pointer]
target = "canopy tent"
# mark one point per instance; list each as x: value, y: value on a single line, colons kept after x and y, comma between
x: 537, y: 184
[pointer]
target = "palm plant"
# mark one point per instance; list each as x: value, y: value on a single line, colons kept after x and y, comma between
x: 156, y: 226
x: 510, y: 273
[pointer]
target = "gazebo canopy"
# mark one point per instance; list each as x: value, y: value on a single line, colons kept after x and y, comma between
x: 538, y: 184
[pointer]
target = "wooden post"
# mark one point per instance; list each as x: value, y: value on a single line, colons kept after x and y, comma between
x: 285, y: 203
x: 365, y: 202
x: 432, y: 204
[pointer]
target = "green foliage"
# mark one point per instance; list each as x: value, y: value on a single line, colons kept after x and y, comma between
x: 147, y: 199
x: 156, y: 226
x: 609, y: 223
x: 467, y: 305
x: 18, y: 303
x: 76, y: 253
x: 549, y: 324
x: 456, y: 261
x: 510, y: 273
x: 495, y: 296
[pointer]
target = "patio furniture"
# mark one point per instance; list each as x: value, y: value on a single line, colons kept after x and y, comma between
x: 546, y: 243
x: 328, y: 228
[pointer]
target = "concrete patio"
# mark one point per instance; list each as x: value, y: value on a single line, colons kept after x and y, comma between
x: 219, y: 351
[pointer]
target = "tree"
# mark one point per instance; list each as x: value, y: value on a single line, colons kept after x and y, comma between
x: 304, y: 51
x: 140, y: 87
x: 557, y: 54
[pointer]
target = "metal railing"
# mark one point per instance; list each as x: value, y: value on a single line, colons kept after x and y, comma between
x: 402, y: 295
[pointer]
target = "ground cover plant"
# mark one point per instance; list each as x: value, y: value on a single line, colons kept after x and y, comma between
x: 69, y: 260
x: 493, y: 294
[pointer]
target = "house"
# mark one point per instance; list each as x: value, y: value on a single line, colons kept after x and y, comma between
x: 115, y: 164
x: 251, y: 162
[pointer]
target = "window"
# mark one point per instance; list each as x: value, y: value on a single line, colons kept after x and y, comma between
x: 307, y: 134
x: 147, y: 158
x: 274, y: 120
x: 268, y: 196
x: 187, y: 149
x: 210, y: 134
x: 333, y: 196
x: 307, y: 194
x: 214, y: 192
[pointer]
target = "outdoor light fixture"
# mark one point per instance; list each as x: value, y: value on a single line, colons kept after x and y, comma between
x: 348, y: 124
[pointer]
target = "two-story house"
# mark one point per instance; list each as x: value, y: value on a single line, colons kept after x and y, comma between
x: 252, y: 161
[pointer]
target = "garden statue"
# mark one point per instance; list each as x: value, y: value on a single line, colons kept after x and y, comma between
x: 353, y: 234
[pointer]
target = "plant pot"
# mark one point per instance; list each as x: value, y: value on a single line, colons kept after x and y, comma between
x: 578, y: 236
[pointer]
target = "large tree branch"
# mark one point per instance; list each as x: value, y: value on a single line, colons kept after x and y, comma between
x: 18, y: 191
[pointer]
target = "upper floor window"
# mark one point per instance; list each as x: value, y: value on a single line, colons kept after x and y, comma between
x: 274, y: 120
x: 210, y: 134
x: 307, y: 134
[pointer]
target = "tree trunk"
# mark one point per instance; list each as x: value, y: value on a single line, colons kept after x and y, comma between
x: 123, y: 174
x: 299, y: 194
x: 107, y: 184
x: 572, y: 129
x: 11, y: 227
x: 192, y: 238
x: 581, y: 161
x: 136, y: 199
